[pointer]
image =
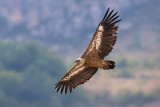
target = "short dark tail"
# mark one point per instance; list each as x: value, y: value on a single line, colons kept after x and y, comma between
x: 112, y: 64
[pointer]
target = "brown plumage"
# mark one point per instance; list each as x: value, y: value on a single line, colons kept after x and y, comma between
x: 87, y: 65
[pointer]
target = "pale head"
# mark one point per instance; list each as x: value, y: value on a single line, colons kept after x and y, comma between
x: 78, y: 60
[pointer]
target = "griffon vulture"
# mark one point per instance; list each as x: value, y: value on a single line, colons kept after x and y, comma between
x: 100, y: 46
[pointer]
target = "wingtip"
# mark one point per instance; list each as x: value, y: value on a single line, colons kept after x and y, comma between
x: 105, y: 15
x: 112, y: 10
x: 62, y: 88
x: 55, y: 84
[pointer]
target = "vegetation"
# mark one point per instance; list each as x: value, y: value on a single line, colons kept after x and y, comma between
x: 28, y: 72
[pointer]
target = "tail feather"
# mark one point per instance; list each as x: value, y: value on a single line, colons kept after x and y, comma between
x: 111, y: 65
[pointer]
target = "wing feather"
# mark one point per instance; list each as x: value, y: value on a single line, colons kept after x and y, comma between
x: 79, y: 74
x: 102, y: 43
x: 103, y: 39
x: 63, y: 83
x: 70, y: 87
x: 66, y: 87
x: 105, y: 15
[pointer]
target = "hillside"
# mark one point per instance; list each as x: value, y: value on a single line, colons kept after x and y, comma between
x: 69, y: 25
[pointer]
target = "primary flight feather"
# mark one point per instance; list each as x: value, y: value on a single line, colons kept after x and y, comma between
x: 87, y: 65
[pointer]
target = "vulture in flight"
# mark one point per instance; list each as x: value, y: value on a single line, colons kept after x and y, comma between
x: 100, y: 46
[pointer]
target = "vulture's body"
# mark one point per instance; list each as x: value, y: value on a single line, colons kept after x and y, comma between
x: 93, y: 58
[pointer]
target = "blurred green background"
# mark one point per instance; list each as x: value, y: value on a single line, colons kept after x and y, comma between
x: 40, y: 39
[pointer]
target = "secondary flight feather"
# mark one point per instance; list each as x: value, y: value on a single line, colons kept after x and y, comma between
x: 100, y: 46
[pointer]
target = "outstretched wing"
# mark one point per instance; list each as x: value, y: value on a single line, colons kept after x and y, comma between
x: 79, y: 74
x: 103, y: 39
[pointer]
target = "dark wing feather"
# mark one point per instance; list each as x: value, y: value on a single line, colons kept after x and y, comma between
x: 77, y: 75
x: 104, y: 39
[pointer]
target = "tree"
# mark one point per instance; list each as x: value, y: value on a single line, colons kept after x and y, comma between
x: 28, y: 72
